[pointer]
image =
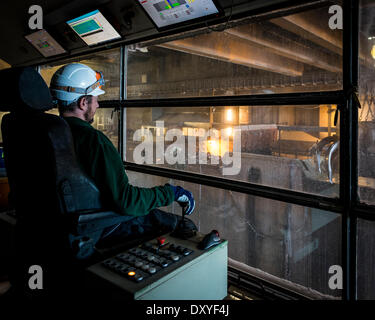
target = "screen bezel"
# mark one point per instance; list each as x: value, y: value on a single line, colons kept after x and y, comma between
x: 219, y: 14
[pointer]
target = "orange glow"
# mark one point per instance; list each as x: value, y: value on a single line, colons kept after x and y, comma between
x: 131, y: 273
x: 229, y: 131
x: 229, y: 115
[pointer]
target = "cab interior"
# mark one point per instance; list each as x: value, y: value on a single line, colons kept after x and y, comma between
x: 273, y: 104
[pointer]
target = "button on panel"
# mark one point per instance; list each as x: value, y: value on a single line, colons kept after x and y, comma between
x: 144, y: 261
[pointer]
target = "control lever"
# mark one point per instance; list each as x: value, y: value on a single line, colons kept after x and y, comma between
x: 210, y: 239
x: 185, y: 228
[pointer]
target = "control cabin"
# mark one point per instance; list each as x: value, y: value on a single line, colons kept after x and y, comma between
x: 264, y: 110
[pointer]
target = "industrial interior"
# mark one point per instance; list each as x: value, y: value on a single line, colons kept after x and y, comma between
x: 266, y: 114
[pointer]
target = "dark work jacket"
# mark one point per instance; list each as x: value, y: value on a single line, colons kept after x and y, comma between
x: 101, y: 161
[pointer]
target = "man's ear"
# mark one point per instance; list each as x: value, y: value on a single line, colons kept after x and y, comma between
x: 82, y: 103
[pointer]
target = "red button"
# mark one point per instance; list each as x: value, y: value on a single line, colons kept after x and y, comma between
x: 161, y: 240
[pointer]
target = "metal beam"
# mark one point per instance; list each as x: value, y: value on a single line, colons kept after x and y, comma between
x: 232, y: 49
x: 276, y: 43
x: 309, y: 26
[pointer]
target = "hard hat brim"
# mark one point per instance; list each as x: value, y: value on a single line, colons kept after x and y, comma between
x: 97, y: 92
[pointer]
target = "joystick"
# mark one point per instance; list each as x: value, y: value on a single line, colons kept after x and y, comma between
x: 209, y: 240
x: 185, y: 228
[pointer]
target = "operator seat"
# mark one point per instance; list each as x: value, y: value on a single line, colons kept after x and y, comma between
x: 59, y: 213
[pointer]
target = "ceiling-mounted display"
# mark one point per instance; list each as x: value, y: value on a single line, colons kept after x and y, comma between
x: 45, y: 44
x: 165, y: 13
x: 93, y: 28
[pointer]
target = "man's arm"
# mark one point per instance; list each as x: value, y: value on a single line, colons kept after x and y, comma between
x: 108, y: 172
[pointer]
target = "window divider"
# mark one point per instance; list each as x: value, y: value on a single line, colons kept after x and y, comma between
x: 303, y: 98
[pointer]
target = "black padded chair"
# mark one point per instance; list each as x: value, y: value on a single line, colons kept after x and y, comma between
x: 59, y: 213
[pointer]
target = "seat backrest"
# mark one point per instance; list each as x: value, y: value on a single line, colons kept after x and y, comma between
x: 46, y: 182
x: 42, y: 169
x: 39, y: 153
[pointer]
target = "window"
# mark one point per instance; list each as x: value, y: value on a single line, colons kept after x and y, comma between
x: 295, y: 243
x: 294, y: 53
x: 365, y: 259
x: 366, y: 125
x: 1, y: 118
x: 289, y: 147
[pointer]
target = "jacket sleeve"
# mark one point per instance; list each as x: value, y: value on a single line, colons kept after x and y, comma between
x: 109, y: 174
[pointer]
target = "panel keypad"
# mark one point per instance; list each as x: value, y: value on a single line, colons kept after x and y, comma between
x: 144, y: 261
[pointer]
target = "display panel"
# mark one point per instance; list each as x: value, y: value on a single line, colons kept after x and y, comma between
x: 93, y: 28
x: 45, y: 44
x: 170, y: 12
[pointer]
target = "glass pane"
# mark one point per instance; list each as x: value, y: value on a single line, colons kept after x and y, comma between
x: 295, y: 243
x: 105, y: 120
x: 1, y: 118
x: 366, y: 134
x: 107, y: 62
x: 289, y: 147
x: 294, y: 53
x: 365, y: 260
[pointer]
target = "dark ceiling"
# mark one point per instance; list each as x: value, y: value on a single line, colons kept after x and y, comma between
x: 14, y: 22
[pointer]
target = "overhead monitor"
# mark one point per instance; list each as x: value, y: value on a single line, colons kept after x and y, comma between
x: 165, y: 13
x: 45, y: 44
x: 93, y: 28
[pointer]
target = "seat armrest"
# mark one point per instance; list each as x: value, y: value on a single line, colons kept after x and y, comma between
x: 85, y: 223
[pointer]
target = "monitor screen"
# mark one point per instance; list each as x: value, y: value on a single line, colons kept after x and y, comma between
x: 169, y: 12
x: 44, y: 43
x: 93, y: 28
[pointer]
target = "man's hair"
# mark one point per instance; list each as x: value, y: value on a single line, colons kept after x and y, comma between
x: 74, y: 105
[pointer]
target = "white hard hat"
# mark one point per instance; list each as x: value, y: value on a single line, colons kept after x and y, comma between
x: 74, y: 80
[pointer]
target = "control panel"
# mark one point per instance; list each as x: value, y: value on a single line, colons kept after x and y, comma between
x: 164, y: 268
x: 142, y: 262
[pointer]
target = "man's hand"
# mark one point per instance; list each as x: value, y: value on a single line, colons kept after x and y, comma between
x: 183, y: 197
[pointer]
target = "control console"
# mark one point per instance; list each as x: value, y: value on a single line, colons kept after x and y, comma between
x: 164, y: 268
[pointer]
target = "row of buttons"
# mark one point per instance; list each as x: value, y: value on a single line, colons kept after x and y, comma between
x: 145, y: 265
x: 173, y: 250
x: 151, y: 257
x: 140, y: 262
x: 125, y: 270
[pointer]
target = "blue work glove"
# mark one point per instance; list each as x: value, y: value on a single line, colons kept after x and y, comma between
x: 183, y: 196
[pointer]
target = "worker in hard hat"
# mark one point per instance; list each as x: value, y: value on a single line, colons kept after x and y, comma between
x: 76, y: 88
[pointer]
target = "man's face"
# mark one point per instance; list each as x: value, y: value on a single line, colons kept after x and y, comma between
x: 91, y: 109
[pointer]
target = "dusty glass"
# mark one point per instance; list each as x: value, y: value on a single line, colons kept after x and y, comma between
x: 365, y: 260
x: 292, y: 242
x: 293, y: 53
x: 289, y: 147
x: 366, y: 115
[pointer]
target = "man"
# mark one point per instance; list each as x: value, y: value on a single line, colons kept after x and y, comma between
x: 76, y: 88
